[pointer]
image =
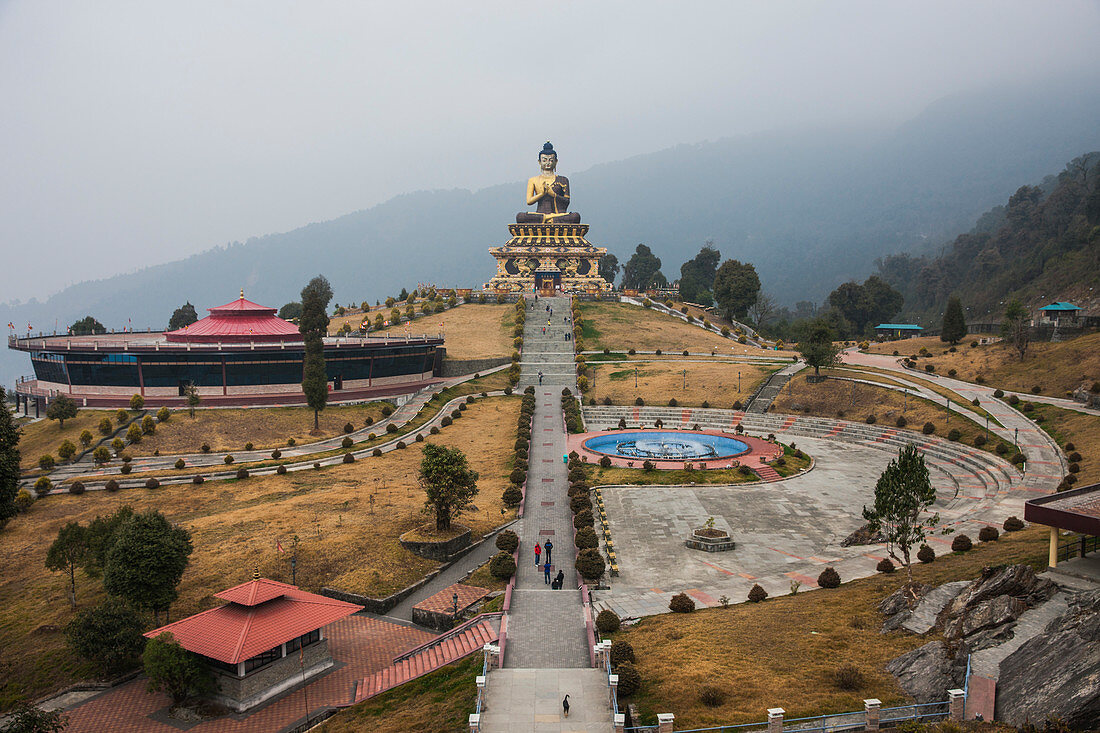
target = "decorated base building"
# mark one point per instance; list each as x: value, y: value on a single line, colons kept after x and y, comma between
x: 241, y: 354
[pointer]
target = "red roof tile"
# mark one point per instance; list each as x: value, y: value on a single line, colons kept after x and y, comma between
x: 237, y: 631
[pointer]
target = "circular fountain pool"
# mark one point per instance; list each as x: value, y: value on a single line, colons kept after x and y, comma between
x: 666, y: 445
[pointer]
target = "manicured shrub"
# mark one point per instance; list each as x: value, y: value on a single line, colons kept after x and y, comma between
x: 133, y: 435
x: 737, y: 407
x: 376, y: 452
x: 979, y: 440
x: 586, y: 538
x: 1037, y: 389
x: 929, y: 368
x: 1069, y: 447
x: 507, y: 541
x: 228, y: 459
x: 391, y: 428
x: 350, y: 458
x: 954, y: 434
x: 629, y: 679
x: 926, y: 554
x: 757, y: 594
x: 205, y: 448
x: 46, y: 462
x: 111, y: 485
x: 419, y: 437
x: 885, y: 565
x: 137, y: 402
x: 961, y: 543
x: 590, y: 564
x: 583, y: 519
x: 434, y: 430
x: 76, y: 487
x: 163, y: 414
x: 577, y: 474
x: 1013, y: 400
x: 1074, y: 457
x: 517, y: 476
x: 347, y: 442
x: 101, y: 455
x: 368, y: 422
x: 829, y: 578
x: 605, y: 462
x: 290, y: 442
x: 1021, y: 458
x: 281, y: 470
x: 349, y: 428
x: 607, y: 621
x: 1002, y: 448
x: 1013, y: 524
x: 673, y: 403
x: 998, y: 393
x: 126, y: 468
x: 242, y: 473
x: 152, y: 483
x: 988, y: 534
x: 638, y: 401
x: 122, y: 417
x: 979, y: 379
x: 681, y: 603
x: 502, y: 566
x: 276, y: 454
x: 901, y: 422
x: 105, y: 426
x: 928, y: 428
x: 179, y: 463
x: 621, y: 651
x: 648, y: 466
x: 871, y: 419
x: 512, y: 495
x: 387, y: 410
x: 579, y: 503
x: 86, y: 438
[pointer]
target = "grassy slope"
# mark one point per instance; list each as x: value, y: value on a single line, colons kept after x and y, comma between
x: 472, y: 331
x: 659, y: 381
x: 234, y: 526
x: 1067, y: 426
x: 781, y: 653
x: 1055, y: 368
x: 621, y: 326
x: 439, y: 701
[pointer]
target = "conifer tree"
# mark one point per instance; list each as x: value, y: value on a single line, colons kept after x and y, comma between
x: 954, y: 322
x: 313, y: 325
x: 9, y: 461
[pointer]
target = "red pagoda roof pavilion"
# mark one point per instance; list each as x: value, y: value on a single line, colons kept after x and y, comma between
x: 238, y: 322
x: 261, y: 614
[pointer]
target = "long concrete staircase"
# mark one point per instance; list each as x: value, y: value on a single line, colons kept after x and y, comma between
x: 461, y: 641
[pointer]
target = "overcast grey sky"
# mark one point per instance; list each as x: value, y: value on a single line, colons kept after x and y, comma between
x: 133, y: 133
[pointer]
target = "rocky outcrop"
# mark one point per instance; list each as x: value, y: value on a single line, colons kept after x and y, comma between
x: 1056, y: 675
x: 863, y: 536
x: 1017, y: 581
x: 899, y: 605
x: 984, y: 615
x: 928, y: 672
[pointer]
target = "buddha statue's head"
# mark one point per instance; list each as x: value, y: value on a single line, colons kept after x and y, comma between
x: 548, y: 159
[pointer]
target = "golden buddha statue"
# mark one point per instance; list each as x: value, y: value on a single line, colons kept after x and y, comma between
x: 550, y: 193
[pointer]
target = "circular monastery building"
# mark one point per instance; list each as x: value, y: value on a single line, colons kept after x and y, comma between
x: 241, y: 354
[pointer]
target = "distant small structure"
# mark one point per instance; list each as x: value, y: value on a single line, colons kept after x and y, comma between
x: 268, y: 638
x: 894, y: 331
x: 1060, y: 313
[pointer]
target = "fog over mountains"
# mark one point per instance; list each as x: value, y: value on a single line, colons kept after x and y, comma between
x: 810, y: 208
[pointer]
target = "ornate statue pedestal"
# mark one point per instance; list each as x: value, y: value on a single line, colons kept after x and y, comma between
x: 548, y: 256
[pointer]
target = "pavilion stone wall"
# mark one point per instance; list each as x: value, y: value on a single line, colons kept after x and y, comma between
x: 242, y: 693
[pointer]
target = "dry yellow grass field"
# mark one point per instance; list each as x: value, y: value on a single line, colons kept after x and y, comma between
x: 659, y: 381
x: 910, y: 346
x: 223, y: 429
x: 345, y: 540
x: 471, y: 330
x: 784, y: 651
x: 621, y: 326
x: 1055, y: 368
x: 1067, y: 426
x: 855, y: 401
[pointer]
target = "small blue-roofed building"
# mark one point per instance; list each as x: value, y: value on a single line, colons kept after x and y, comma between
x: 1060, y: 313
x: 893, y: 331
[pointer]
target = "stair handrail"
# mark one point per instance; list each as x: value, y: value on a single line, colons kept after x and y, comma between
x: 437, y: 640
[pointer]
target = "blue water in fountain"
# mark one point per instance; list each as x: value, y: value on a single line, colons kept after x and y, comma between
x: 666, y: 445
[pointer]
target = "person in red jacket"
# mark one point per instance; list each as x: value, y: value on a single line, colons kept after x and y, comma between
x: 538, y: 551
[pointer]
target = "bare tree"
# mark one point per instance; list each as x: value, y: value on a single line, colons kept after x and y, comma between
x: 763, y: 310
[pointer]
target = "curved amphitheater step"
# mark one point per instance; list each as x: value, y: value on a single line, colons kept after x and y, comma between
x: 448, y: 647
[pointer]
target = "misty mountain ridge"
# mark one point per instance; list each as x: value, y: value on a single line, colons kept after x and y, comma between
x: 810, y: 209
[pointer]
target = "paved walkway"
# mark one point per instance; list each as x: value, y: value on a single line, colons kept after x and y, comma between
x: 547, y: 652
x: 530, y: 700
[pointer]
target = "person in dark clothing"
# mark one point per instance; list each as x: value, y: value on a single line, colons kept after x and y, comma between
x: 548, y: 549
x: 559, y: 581
x: 546, y: 572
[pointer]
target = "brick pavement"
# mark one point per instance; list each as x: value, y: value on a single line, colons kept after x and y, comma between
x: 359, y: 644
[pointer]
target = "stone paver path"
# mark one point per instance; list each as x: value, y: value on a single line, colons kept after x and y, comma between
x: 547, y: 653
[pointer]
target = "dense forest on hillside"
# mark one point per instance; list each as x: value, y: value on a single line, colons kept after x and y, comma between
x: 1044, y: 243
